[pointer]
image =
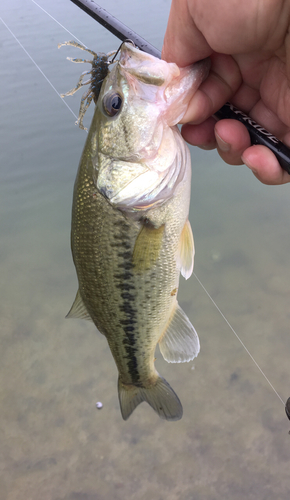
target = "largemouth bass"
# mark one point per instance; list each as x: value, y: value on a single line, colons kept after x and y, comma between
x: 130, y: 234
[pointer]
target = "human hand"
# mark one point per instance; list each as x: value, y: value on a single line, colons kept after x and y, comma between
x: 249, y: 45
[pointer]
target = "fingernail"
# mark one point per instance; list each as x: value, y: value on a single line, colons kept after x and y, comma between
x: 224, y: 146
x: 248, y: 164
x: 206, y: 147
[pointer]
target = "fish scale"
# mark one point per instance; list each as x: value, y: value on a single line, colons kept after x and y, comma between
x: 111, y: 289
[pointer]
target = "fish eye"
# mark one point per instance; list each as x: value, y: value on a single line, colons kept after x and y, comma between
x: 112, y: 103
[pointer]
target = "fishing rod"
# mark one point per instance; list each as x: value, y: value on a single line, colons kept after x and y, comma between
x: 258, y: 134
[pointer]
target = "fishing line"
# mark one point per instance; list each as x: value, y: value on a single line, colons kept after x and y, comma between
x: 61, y: 25
x: 203, y: 287
x: 239, y: 339
x: 39, y: 69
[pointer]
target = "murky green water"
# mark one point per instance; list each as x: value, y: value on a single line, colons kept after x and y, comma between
x: 233, y: 439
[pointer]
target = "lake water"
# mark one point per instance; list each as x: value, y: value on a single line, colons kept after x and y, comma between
x: 233, y: 440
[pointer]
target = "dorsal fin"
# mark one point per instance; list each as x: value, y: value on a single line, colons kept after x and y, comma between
x: 186, y: 251
x: 180, y: 341
x: 78, y: 310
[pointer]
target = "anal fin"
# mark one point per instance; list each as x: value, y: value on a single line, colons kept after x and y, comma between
x: 180, y: 342
x: 78, y: 310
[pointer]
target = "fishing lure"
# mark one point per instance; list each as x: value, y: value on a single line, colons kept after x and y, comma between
x: 100, y: 67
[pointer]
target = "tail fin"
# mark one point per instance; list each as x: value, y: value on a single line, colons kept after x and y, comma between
x: 161, y: 397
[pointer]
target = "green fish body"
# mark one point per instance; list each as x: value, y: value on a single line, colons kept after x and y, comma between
x: 130, y: 232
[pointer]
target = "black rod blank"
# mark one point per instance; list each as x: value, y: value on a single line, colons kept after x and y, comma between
x: 115, y: 26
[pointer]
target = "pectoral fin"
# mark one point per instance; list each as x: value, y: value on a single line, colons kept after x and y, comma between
x: 180, y: 341
x: 186, y: 251
x: 147, y: 247
x: 78, y: 310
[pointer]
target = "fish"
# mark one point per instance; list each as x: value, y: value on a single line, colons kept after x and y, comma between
x: 130, y: 233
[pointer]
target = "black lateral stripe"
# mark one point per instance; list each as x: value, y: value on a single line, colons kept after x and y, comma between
x: 124, y: 281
